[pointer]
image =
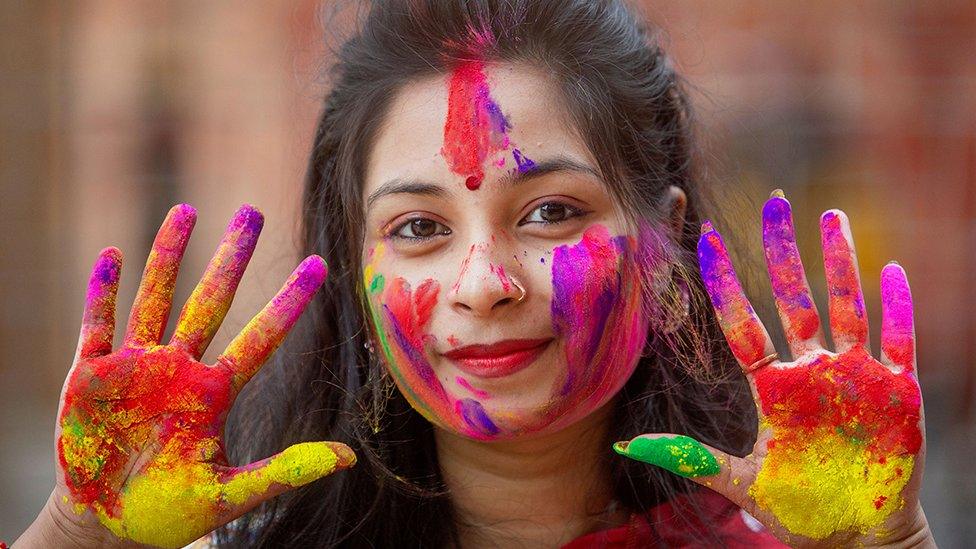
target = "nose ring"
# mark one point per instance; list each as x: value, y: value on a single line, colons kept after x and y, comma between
x: 515, y: 283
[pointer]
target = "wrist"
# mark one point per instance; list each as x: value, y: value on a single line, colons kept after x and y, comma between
x: 54, y: 528
x: 915, y: 534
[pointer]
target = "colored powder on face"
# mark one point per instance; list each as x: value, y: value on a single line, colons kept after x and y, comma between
x: 467, y: 385
x: 786, y: 271
x: 475, y: 127
x: 499, y: 271
x: 843, y: 424
x: 596, y: 311
x: 847, y: 314
x: 679, y: 454
x: 464, y: 268
x: 474, y: 415
x: 522, y: 162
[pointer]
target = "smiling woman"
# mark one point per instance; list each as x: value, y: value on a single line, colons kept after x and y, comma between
x: 547, y: 227
x: 505, y: 194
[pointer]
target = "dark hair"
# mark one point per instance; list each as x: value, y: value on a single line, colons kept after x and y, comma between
x: 631, y: 108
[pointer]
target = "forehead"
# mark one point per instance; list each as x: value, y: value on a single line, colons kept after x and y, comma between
x: 411, y: 137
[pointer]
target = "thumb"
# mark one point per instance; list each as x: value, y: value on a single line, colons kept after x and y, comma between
x: 684, y: 456
x: 244, y: 488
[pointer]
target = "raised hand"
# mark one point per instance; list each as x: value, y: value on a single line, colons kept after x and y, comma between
x: 140, y: 428
x: 841, y: 440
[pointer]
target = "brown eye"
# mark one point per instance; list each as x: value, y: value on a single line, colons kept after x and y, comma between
x: 420, y: 228
x: 551, y: 213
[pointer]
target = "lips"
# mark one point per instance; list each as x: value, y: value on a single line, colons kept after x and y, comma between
x: 498, y: 359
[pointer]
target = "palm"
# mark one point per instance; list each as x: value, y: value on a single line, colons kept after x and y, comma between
x: 140, y: 431
x: 841, y: 445
x: 127, y: 413
x: 840, y: 433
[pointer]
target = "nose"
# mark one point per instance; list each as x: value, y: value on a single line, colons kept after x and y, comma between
x: 484, y: 286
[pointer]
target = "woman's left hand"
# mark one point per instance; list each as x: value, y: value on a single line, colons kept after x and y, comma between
x: 841, y: 445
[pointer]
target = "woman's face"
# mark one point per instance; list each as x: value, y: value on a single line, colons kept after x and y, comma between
x: 502, y: 282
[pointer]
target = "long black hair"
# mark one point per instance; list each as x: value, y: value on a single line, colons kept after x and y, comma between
x: 632, y: 110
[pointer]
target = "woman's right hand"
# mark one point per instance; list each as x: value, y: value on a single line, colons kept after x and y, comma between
x: 140, y: 428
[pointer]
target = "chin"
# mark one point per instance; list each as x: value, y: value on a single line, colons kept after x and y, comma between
x: 546, y: 418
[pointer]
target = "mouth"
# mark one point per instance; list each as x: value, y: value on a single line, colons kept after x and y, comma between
x: 498, y: 359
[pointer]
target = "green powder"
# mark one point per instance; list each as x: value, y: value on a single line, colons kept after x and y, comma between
x: 679, y: 454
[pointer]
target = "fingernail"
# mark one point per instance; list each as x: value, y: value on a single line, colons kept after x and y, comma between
x: 707, y: 227
x: 679, y: 454
x: 777, y: 193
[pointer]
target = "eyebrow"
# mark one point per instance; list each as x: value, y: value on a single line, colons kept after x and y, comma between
x: 555, y: 164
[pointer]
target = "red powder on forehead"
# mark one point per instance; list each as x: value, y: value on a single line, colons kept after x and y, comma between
x: 475, y: 127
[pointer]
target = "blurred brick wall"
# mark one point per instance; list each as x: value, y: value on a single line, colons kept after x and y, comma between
x: 114, y: 110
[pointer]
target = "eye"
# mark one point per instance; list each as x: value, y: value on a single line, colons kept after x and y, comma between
x: 419, y: 228
x: 552, y: 212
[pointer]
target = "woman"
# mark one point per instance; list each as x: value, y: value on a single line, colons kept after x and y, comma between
x: 505, y: 194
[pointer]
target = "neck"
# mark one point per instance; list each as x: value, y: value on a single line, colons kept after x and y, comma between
x: 541, y: 492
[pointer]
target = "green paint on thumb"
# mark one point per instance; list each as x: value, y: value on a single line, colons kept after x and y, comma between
x: 683, y: 456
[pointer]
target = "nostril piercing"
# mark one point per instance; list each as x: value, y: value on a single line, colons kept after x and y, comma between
x: 515, y: 283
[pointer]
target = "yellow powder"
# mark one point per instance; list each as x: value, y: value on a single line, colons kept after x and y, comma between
x: 296, y: 466
x: 173, y: 503
x: 830, y: 485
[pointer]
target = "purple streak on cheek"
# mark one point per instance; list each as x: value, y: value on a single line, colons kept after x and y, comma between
x: 596, y: 307
x: 475, y: 416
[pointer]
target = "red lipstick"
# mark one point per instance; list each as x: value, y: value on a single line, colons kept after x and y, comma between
x: 498, y: 359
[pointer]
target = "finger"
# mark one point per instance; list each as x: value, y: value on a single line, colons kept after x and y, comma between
x: 794, y: 302
x: 210, y: 300
x: 684, y: 456
x: 262, y: 335
x: 155, y: 295
x: 243, y: 488
x: 848, y: 320
x: 897, y: 322
x: 744, y: 331
x: 98, y: 320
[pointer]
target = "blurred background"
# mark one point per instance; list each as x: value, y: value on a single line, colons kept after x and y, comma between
x: 111, y: 111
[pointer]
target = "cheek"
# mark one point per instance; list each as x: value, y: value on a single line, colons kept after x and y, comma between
x: 597, y: 308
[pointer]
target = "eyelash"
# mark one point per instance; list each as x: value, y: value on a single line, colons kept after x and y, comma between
x: 572, y: 212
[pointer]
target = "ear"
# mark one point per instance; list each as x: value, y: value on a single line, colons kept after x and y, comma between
x: 676, y: 204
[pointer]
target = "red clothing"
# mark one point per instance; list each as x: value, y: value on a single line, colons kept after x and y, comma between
x: 677, y: 524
